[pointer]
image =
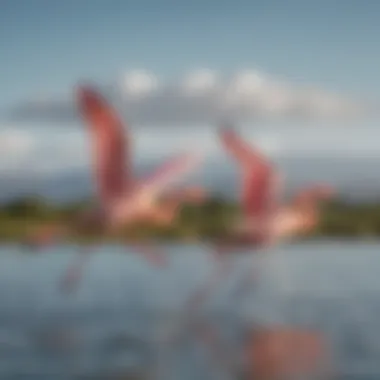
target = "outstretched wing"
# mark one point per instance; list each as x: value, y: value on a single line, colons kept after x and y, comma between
x: 152, y: 187
x: 109, y: 145
x: 260, y: 182
x: 171, y: 171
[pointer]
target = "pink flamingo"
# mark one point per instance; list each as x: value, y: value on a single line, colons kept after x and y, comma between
x: 283, y: 351
x: 264, y: 220
x: 122, y: 198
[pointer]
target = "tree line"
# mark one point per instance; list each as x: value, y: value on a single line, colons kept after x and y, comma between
x: 339, y: 218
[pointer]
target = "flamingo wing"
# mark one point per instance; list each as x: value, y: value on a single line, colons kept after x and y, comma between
x: 260, y: 181
x: 158, y: 182
x: 171, y: 171
x: 109, y: 145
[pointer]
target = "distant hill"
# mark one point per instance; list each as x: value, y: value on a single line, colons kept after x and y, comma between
x: 357, y: 179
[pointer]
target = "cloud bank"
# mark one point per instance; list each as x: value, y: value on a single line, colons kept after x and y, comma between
x: 55, y: 163
x: 45, y: 152
x: 202, y: 96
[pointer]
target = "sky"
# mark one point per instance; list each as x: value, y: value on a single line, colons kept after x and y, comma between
x: 299, y: 78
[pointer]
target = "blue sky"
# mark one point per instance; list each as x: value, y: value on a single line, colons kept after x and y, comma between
x: 46, y: 47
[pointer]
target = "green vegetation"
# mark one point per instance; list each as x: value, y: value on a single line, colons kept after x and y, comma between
x: 210, y: 220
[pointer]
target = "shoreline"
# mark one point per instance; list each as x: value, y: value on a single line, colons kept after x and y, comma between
x: 204, y: 223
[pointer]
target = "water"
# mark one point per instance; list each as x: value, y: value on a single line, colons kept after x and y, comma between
x: 123, y: 306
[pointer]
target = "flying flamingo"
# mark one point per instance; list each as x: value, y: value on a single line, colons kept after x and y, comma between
x: 281, y: 351
x: 122, y: 198
x: 125, y: 199
x: 265, y: 221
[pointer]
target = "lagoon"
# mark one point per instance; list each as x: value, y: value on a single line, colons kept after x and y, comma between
x: 124, y: 306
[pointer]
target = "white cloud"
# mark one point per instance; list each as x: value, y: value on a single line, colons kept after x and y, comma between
x: 247, y: 94
x: 205, y: 96
x: 15, y: 142
x: 139, y: 83
x: 16, y: 146
x: 199, y: 82
x: 246, y: 83
x: 38, y: 152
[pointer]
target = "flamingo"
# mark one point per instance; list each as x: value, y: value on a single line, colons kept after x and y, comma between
x: 265, y: 221
x: 122, y: 199
x: 274, y: 352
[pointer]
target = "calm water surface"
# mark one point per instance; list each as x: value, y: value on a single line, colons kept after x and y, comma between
x: 124, y: 307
